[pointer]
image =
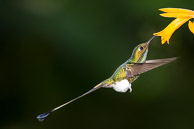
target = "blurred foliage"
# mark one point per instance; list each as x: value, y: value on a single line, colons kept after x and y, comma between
x: 54, y: 50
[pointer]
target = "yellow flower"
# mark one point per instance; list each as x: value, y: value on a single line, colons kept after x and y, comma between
x: 191, y: 26
x: 181, y: 15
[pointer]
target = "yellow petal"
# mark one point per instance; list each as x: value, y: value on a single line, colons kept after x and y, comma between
x: 180, y: 15
x: 169, y: 30
x: 177, y: 12
x: 191, y: 26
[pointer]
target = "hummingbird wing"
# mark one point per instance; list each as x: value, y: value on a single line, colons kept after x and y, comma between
x: 139, y: 68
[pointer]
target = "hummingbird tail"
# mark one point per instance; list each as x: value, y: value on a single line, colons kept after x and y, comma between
x: 41, y: 117
x: 90, y: 91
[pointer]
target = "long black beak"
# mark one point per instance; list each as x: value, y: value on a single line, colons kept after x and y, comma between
x: 151, y: 39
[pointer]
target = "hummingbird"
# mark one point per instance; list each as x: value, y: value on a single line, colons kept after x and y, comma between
x: 124, y: 75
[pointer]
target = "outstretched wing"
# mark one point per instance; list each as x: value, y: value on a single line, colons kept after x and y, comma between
x: 139, y: 68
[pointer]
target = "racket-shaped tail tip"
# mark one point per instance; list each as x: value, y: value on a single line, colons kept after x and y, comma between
x: 41, y: 117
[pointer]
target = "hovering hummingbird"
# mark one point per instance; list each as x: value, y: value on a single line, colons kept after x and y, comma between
x: 124, y: 75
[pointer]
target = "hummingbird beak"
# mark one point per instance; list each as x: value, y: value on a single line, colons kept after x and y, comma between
x: 151, y: 39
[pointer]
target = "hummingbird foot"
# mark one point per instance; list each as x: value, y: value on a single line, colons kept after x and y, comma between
x: 130, y: 89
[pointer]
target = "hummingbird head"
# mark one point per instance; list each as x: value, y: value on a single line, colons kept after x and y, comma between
x: 140, y: 52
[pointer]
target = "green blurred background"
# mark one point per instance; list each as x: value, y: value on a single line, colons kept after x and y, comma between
x: 54, y: 50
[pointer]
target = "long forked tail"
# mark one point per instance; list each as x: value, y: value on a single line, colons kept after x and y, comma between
x: 41, y: 117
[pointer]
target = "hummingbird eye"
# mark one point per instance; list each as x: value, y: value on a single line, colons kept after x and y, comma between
x: 141, y: 48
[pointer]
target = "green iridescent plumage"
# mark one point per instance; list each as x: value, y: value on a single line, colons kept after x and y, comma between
x: 125, y: 74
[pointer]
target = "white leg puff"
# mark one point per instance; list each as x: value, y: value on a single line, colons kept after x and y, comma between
x: 122, y: 86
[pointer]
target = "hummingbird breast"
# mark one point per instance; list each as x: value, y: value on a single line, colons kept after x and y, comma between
x: 121, y: 80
